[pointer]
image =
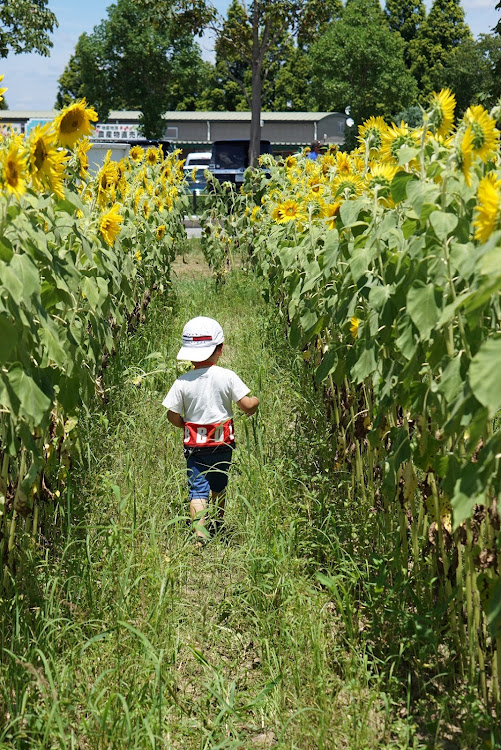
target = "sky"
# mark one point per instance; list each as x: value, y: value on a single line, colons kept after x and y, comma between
x: 31, y: 79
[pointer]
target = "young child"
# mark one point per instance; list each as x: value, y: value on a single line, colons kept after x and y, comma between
x: 200, y: 403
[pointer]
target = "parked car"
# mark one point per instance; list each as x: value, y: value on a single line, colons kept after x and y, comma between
x: 230, y: 159
x: 199, y: 160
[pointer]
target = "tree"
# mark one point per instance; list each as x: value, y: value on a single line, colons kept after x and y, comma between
x: 25, y: 26
x: 126, y: 63
x: 406, y: 18
x: 358, y: 62
x: 469, y: 71
x: 251, y: 32
x: 255, y: 33
x: 443, y: 29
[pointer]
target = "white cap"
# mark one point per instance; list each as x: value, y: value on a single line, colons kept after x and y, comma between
x: 200, y: 338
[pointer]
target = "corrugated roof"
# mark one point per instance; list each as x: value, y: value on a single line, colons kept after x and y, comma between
x: 14, y: 115
x: 246, y: 116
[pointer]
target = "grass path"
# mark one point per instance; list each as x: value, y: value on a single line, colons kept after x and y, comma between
x: 138, y: 640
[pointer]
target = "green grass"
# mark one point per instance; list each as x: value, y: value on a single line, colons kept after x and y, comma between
x: 291, y: 633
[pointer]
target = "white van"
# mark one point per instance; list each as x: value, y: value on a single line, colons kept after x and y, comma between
x: 198, y: 160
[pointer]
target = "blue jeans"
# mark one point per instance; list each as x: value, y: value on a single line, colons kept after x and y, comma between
x: 208, y: 471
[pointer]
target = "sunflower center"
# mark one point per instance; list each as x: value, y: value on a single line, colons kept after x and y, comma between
x: 12, y: 173
x: 71, y: 122
x: 40, y: 154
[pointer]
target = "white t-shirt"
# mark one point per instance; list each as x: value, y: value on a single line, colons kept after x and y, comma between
x: 205, y: 395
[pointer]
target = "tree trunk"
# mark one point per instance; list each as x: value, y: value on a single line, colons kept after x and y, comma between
x: 257, y: 63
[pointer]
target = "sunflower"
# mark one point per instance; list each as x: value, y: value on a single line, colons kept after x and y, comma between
x: 354, y: 324
x: 146, y: 210
x: 290, y: 162
x: 107, y: 180
x: 138, y: 256
x: 442, y: 111
x: 74, y: 122
x: 152, y: 156
x: 13, y: 163
x: 464, y: 154
x: 330, y: 213
x: 2, y: 91
x: 485, y: 135
x: 255, y: 213
x: 489, y: 206
x: 109, y: 225
x: 347, y: 185
x: 394, y: 138
x: 381, y: 175
x: 136, y: 153
x: 83, y: 148
x: 160, y: 231
x: 288, y: 210
x: 371, y: 133
x: 46, y: 162
x: 343, y: 163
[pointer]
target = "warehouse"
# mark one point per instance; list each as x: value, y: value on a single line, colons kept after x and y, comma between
x: 193, y: 131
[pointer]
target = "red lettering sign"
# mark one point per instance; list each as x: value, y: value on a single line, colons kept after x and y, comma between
x: 208, y: 435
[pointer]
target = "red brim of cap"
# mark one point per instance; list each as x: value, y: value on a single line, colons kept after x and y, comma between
x: 195, y: 353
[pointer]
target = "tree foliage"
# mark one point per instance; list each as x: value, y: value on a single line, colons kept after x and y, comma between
x: 441, y: 32
x: 358, y: 62
x: 470, y: 71
x: 126, y: 63
x: 25, y: 26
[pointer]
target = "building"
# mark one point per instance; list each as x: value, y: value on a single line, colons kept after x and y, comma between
x: 192, y: 131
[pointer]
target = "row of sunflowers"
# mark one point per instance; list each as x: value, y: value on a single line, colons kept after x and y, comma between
x: 387, y: 264
x: 80, y: 251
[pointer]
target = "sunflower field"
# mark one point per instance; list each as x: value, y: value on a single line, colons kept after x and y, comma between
x: 80, y: 253
x: 386, y: 263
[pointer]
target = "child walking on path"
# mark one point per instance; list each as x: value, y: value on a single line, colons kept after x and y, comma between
x: 200, y: 403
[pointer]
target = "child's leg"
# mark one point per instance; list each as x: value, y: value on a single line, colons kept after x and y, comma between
x: 199, y: 491
x: 198, y: 506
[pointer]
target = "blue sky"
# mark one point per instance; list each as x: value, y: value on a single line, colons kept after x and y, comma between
x: 32, y: 79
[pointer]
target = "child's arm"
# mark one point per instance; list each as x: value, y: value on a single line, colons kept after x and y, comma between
x: 175, y: 419
x: 248, y: 404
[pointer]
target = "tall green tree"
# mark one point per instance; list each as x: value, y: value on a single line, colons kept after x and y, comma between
x: 253, y: 33
x: 441, y: 32
x: 406, y: 18
x: 359, y: 63
x: 470, y: 71
x: 126, y: 63
x: 256, y: 33
x: 25, y: 26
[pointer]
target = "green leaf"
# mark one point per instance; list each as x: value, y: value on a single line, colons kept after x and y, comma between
x: 451, y: 382
x: 422, y: 307
x: 484, y: 375
x: 406, y: 154
x: 407, y: 342
x: 8, y: 337
x: 326, y: 366
x: 34, y: 403
x: 6, y: 251
x: 463, y: 504
x: 364, y: 366
x: 349, y: 212
x: 443, y: 223
x: 20, y: 277
x: 399, y: 185
x: 55, y: 351
x: 379, y: 295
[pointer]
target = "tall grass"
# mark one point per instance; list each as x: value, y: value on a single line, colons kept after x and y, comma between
x: 294, y: 631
